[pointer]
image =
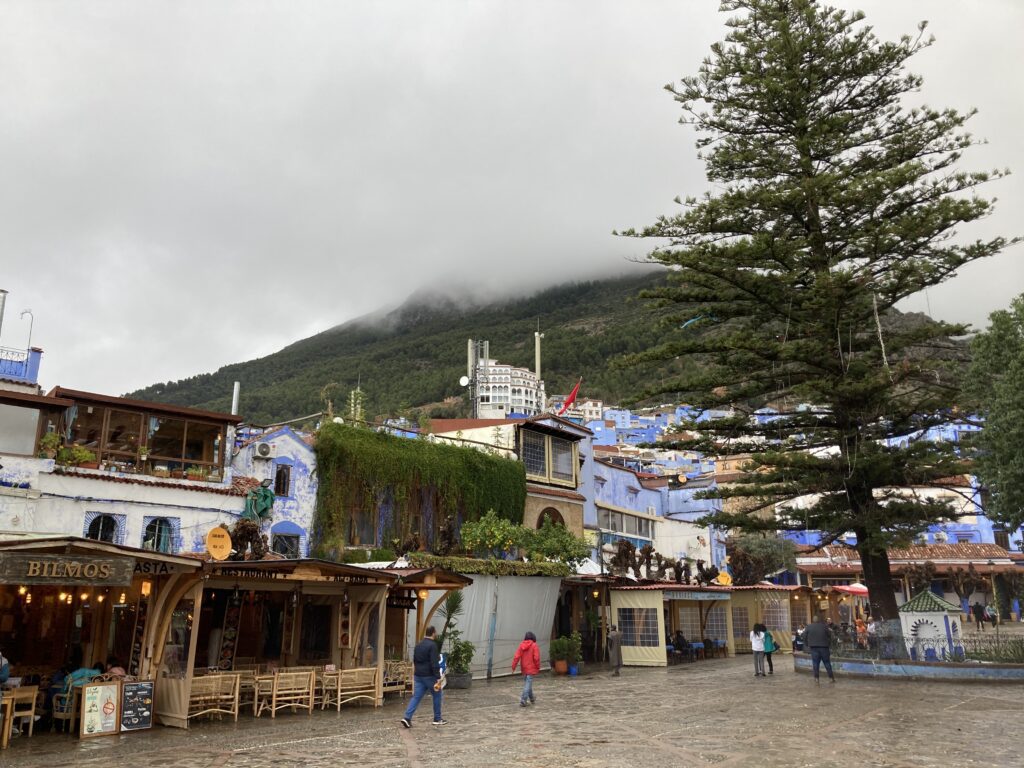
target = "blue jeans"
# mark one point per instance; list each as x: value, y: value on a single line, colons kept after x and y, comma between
x: 527, y: 689
x: 821, y: 655
x: 422, y: 684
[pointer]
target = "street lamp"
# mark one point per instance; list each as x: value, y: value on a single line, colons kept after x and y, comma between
x: 31, y: 322
x: 995, y: 596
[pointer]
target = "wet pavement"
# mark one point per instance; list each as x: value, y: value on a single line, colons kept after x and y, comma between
x: 711, y: 713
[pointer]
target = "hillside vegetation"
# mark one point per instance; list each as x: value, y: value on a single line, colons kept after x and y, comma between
x: 413, y: 356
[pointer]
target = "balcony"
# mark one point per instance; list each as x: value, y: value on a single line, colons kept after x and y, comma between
x: 21, y: 365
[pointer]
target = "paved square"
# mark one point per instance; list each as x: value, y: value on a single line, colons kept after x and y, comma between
x: 712, y: 713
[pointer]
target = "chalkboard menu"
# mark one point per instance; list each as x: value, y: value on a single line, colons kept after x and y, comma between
x: 99, y: 709
x: 137, y: 706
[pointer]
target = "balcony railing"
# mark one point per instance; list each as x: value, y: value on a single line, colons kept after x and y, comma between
x: 14, y: 363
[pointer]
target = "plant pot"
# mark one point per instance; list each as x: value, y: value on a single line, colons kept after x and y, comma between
x: 573, y: 670
x: 460, y: 679
x: 89, y: 465
x: 561, y: 666
x: 49, y: 453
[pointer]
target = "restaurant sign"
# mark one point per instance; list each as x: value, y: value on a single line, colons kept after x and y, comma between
x: 678, y: 594
x: 23, y: 568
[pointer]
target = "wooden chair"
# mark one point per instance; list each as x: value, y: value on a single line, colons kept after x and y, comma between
x: 289, y: 689
x: 24, y: 703
x: 6, y: 719
x: 214, y: 694
x: 358, y: 683
x: 397, y: 677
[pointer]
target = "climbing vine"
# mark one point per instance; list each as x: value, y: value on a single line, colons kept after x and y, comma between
x: 402, y: 484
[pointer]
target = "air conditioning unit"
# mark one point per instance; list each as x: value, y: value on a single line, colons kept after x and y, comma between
x: 652, y: 510
x: 264, y: 451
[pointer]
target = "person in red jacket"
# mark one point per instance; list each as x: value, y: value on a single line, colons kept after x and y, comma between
x: 528, y: 656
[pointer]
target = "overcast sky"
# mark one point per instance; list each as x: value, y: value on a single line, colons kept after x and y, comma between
x: 189, y: 184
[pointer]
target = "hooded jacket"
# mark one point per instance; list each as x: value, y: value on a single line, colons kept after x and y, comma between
x: 529, y: 655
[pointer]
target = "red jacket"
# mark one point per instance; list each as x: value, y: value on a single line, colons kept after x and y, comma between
x: 529, y: 654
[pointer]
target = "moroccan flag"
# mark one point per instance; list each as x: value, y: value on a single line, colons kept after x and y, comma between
x: 571, y: 398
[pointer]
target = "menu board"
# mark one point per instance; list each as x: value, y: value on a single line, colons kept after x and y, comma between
x: 100, y: 709
x: 137, y: 705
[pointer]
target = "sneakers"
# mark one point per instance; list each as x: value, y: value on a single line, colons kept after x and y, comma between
x: 522, y: 704
x: 533, y: 699
x: 440, y: 722
x: 405, y: 722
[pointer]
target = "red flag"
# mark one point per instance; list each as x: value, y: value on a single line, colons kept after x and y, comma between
x: 571, y: 398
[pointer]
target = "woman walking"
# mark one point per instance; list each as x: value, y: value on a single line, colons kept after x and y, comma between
x: 769, y: 648
x: 757, y: 646
x: 528, y: 659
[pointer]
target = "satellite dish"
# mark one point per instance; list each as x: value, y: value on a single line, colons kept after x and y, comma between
x: 464, y: 381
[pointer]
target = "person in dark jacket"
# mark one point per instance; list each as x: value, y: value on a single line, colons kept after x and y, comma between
x: 978, y: 611
x: 426, y: 660
x: 528, y: 658
x: 818, y: 639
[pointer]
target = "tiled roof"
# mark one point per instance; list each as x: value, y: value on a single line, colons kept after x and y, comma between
x: 446, y: 426
x: 927, y: 601
x: 240, y: 486
x: 961, y: 551
x: 545, y: 490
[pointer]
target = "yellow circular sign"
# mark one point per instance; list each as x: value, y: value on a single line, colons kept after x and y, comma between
x: 218, y: 543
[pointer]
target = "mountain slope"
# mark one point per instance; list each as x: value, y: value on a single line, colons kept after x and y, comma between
x: 414, y: 355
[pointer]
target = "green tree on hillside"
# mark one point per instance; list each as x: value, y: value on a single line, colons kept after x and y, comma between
x: 832, y: 202
x: 995, y: 389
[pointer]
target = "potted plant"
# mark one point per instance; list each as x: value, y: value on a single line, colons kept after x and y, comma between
x: 143, y: 453
x: 196, y: 473
x: 49, y: 444
x: 575, y: 653
x: 77, y: 456
x: 560, y: 655
x: 460, y: 656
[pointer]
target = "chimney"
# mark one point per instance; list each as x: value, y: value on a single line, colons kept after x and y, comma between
x: 234, y: 398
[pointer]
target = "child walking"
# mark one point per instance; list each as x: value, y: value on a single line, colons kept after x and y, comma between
x: 528, y: 659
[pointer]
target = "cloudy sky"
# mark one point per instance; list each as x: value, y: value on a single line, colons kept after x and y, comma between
x: 188, y: 184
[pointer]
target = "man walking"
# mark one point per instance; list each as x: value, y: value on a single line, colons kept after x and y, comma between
x: 615, y: 650
x: 818, y: 639
x: 426, y: 659
x: 978, y: 610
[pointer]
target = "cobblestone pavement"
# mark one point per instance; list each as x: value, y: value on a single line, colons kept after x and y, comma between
x: 711, y: 713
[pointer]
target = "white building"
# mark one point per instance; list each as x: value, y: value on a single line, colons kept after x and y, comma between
x: 505, y: 390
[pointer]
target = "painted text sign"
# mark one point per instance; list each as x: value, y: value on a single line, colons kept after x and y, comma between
x: 670, y: 594
x: 21, y: 568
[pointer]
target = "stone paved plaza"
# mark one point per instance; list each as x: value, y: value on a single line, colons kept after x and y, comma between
x: 712, y: 713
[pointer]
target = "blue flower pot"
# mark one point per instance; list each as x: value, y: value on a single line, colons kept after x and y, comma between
x: 573, y: 670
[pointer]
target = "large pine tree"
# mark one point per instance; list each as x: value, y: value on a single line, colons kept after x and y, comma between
x: 832, y: 201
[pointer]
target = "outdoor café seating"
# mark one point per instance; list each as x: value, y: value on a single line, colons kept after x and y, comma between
x: 285, y: 688
x: 397, y: 677
x: 214, y: 694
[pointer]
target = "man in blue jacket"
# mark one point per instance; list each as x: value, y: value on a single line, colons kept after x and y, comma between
x: 426, y: 659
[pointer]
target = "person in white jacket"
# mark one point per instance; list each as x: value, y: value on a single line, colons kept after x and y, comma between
x: 757, y: 646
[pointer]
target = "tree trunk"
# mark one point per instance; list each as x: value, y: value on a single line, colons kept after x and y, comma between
x: 878, y: 580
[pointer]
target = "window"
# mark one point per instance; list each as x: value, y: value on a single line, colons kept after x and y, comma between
x: 1001, y: 538
x: 776, y: 615
x: 561, y: 459
x: 283, y: 480
x: 639, y: 626
x: 103, y: 528
x: 87, y: 427
x: 740, y: 623
x: 286, y: 544
x: 159, y: 535
x: 534, y: 456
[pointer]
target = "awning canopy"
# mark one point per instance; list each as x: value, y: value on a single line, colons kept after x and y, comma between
x: 856, y: 589
x: 304, y: 569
